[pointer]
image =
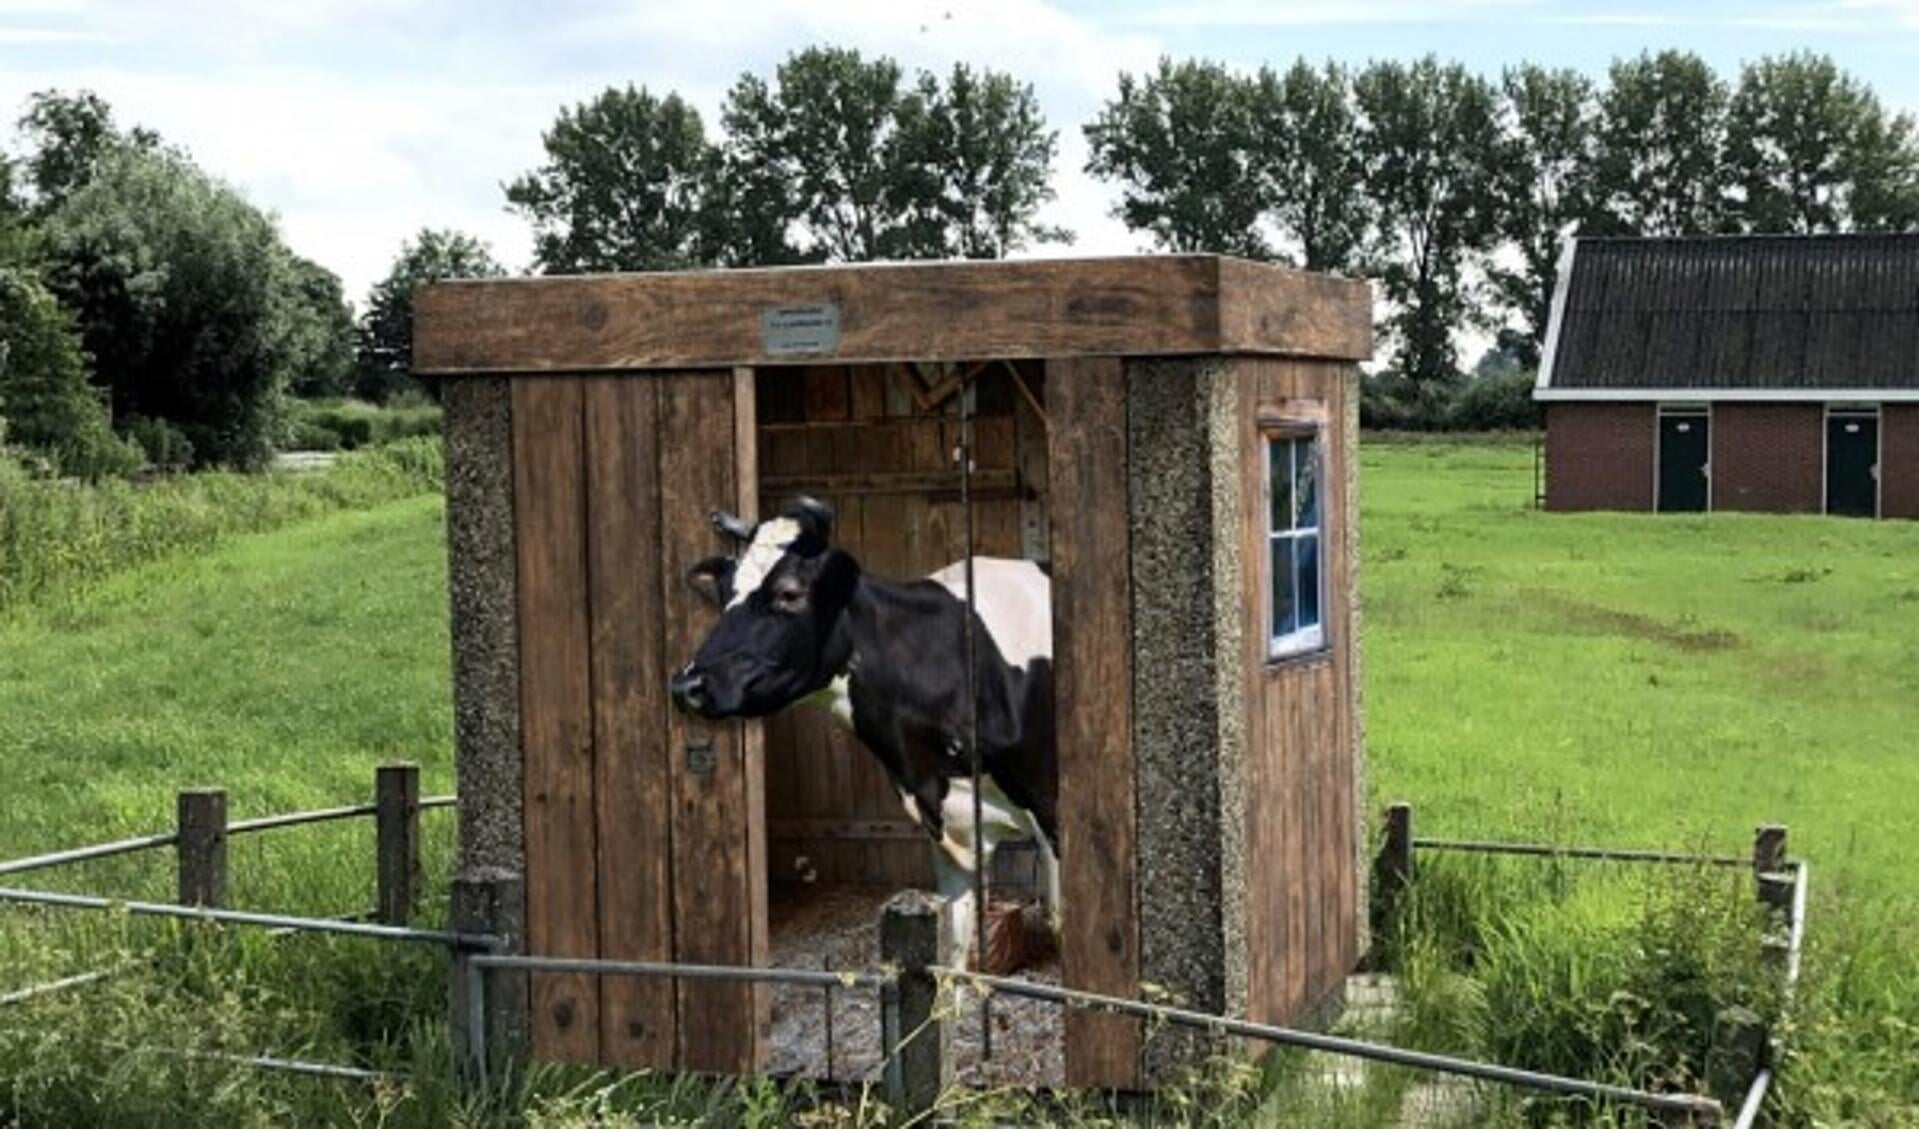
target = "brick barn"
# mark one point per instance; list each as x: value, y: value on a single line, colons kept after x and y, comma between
x: 1766, y: 373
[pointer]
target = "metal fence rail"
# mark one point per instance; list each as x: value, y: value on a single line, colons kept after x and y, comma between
x: 803, y: 977
x: 172, y: 838
x: 1706, y: 1109
x: 1762, y: 1081
x: 442, y: 937
x: 1612, y: 854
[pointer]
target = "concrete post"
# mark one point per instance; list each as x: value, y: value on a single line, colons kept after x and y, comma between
x: 488, y: 1009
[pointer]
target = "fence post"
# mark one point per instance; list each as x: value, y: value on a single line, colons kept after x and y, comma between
x: 1393, y: 870
x: 1768, y: 848
x: 1773, y: 881
x: 201, y: 848
x: 917, y: 1037
x: 396, y: 800
x: 488, y: 1010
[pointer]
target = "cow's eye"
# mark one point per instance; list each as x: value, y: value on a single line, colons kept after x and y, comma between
x: 789, y: 598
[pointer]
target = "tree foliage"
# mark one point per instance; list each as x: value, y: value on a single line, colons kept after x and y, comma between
x: 1546, y: 185
x: 1428, y: 139
x: 386, y: 328
x: 1308, y: 166
x: 1662, y: 138
x: 1814, y: 150
x: 1180, y: 143
x: 68, y: 134
x: 182, y: 292
x: 623, y: 188
x: 323, y: 340
x: 48, y: 405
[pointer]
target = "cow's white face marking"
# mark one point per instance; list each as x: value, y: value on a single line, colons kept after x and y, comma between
x: 837, y: 698
x: 770, y: 542
x: 1015, y: 603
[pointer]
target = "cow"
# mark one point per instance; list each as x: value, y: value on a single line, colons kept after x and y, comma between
x: 801, y: 621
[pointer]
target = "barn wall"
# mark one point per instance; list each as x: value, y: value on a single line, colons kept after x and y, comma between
x: 1768, y: 458
x: 875, y: 442
x: 1304, y: 764
x: 1899, y: 461
x: 1600, y: 456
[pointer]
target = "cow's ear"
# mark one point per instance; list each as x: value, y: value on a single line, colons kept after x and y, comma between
x: 815, y: 518
x: 713, y: 579
x: 839, y: 574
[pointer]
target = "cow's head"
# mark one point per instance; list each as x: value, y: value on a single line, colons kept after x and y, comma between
x: 780, y: 600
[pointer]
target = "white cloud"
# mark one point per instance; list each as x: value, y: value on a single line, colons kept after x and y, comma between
x: 1326, y: 13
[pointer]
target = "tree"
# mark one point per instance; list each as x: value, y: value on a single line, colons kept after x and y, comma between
x: 1181, y: 143
x: 324, y: 339
x: 1307, y: 164
x: 1662, y: 129
x: 753, y: 208
x: 1812, y: 149
x: 181, y: 289
x: 623, y: 188
x: 974, y: 164
x: 49, y: 406
x: 386, y: 329
x: 1546, y: 180
x: 68, y: 135
x: 1428, y: 140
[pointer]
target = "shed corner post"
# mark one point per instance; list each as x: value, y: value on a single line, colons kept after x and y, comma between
x: 488, y: 1010
x: 916, y: 1031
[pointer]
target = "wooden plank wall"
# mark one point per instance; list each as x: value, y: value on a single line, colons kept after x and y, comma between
x: 1302, y: 925
x: 1092, y: 670
x: 633, y: 851
x: 857, y: 438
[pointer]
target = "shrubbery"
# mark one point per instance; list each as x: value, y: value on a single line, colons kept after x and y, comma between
x: 348, y: 425
x: 1493, y: 402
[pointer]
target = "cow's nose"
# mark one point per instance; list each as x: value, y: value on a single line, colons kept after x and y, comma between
x: 688, y: 688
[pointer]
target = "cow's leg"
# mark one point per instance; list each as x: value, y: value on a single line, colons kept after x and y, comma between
x: 1049, y: 875
x: 953, y: 871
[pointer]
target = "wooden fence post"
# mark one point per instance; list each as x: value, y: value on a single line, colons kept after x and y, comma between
x: 396, y: 798
x: 201, y: 849
x: 1774, y: 882
x: 1393, y: 870
x: 916, y: 1035
x: 1768, y: 848
x: 488, y: 1009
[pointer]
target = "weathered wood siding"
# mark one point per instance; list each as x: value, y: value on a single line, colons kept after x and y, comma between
x: 641, y: 824
x: 1302, y: 920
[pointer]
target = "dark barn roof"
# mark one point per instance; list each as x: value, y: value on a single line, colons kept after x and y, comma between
x: 1735, y: 316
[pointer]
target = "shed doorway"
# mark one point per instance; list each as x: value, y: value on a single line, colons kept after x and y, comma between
x: 1685, y: 453
x: 1852, y: 462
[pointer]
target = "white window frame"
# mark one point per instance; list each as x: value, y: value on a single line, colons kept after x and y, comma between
x: 1301, y: 642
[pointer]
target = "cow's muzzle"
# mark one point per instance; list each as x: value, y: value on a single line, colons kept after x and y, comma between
x: 688, y: 690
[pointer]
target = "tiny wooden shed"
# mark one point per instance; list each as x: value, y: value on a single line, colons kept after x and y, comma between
x: 1175, y: 434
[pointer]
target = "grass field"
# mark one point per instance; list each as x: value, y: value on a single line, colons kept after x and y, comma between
x: 1614, y: 679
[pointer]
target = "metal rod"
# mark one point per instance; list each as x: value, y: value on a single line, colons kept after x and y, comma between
x: 972, y: 717
x: 806, y: 977
x: 263, y: 920
x: 1755, y: 1099
x: 287, y: 1065
x: 83, y: 854
x: 1794, y: 939
x: 79, y: 980
x: 1695, y: 1104
x: 169, y: 838
x: 1545, y: 850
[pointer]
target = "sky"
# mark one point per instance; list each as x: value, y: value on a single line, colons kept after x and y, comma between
x: 358, y: 122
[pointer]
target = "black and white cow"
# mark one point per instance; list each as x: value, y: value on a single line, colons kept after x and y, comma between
x: 802, y: 622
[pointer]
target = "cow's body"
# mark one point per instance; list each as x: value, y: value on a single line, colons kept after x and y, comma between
x: 888, y: 660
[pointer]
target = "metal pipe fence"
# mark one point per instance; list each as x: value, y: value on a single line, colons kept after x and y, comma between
x: 443, y: 937
x: 1704, y: 1108
x: 1610, y: 854
x: 803, y: 977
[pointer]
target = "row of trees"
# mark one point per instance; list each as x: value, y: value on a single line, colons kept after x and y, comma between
x: 143, y: 299
x: 1456, y: 191
x: 150, y: 314
x: 838, y: 158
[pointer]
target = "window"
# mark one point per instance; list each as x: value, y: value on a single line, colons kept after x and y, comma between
x: 1296, y: 582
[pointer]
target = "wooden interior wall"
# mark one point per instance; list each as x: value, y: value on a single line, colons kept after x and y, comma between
x: 876, y: 443
x: 1302, y: 927
x: 639, y: 839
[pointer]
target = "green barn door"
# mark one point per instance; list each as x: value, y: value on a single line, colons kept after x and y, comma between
x: 1685, y: 445
x: 1852, y: 464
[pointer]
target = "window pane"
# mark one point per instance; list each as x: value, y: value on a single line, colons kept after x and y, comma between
x: 1285, y: 615
x: 1306, y: 478
x: 1306, y: 556
x: 1279, y: 472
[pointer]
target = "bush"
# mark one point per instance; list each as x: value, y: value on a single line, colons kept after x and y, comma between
x: 55, y: 536
x: 166, y: 447
x: 50, y: 407
x: 1495, y: 403
x: 353, y: 424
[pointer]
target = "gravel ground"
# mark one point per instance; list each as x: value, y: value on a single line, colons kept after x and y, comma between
x: 837, y: 929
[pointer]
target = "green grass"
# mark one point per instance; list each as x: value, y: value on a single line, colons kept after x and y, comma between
x: 1611, y: 679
